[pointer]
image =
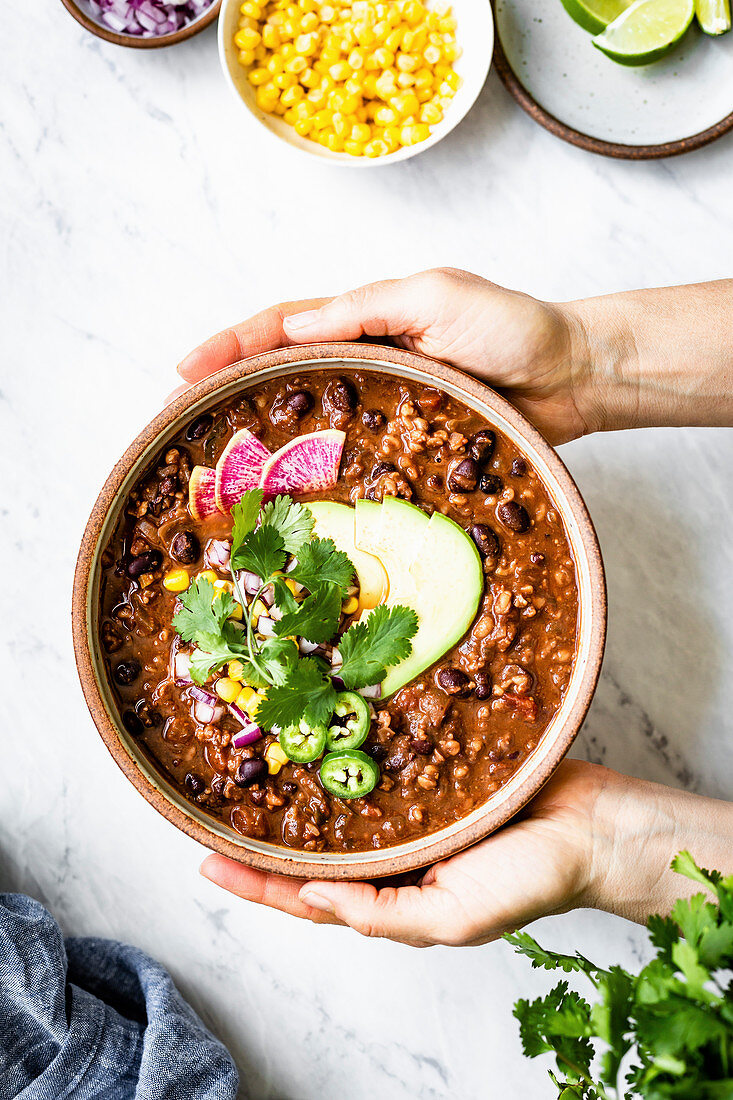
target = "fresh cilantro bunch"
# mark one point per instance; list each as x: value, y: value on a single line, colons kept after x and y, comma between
x: 672, y: 1023
x: 264, y: 538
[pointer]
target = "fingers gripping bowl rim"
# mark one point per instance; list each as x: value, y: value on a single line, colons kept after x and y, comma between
x: 501, y: 806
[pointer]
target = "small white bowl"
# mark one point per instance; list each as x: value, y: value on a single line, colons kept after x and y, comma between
x: 474, y: 34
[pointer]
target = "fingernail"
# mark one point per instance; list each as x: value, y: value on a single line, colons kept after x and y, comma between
x: 316, y: 901
x: 301, y: 320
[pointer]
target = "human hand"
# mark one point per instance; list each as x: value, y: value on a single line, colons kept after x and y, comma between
x: 591, y: 838
x: 520, y: 346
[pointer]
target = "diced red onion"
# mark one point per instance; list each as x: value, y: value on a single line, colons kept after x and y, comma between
x: 338, y: 682
x: 266, y: 626
x: 374, y: 691
x: 276, y: 612
x: 250, y: 731
x: 307, y: 647
x: 146, y: 18
x: 336, y: 659
x: 267, y: 595
x: 207, y: 715
x: 218, y: 553
x: 182, y: 669
x: 201, y: 695
x: 252, y: 583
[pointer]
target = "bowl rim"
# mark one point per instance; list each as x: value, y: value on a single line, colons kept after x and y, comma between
x: 434, y: 846
x: 342, y: 160
x: 190, y: 29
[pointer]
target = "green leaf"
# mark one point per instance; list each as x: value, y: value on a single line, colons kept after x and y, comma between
x: 611, y: 1019
x: 716, y: 947
x: 371, y: 645
x: 202, y: 613
x: 279, y: 655
x: 695, y: 916
x: 558, y: 1022
x: 294, y: 522
x: 215, y: 650
x: 319, y: 561
x: 282, y: 595
x: 244, y: 515
x: 306, y: 692
x: 676, y: 1027
x: 684, y: 864
x: 524, y: 944
x: 664, y: 933
x: 687, y: 959
x: 262, y: 552
x: 316, y: 618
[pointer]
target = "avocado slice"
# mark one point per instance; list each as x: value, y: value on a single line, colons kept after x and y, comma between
x: 336, y: 521
x: 433, y: 566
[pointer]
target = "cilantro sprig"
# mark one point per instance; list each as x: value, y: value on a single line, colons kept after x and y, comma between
x: 267, y: 539
x: 672, y: 1023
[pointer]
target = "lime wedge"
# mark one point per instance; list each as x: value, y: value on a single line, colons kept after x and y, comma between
x: 713, y: 15
x: 595, y: 15
x: 646, y: 31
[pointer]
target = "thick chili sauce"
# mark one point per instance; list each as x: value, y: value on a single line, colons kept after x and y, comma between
x: 446, y: 741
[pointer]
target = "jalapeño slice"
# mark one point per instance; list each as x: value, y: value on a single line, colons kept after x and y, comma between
x: 350, y: 723
x: 349, y: 773
x: 303, y: 743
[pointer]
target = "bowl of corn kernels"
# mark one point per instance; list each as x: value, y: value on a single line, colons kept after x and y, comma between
x: 357, y: 82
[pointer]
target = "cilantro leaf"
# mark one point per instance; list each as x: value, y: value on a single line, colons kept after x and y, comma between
x: 369, y: 646
x: 282, y: 595
x: 202, y: 613
x: 523, y: 944
x: 320, y: 561
x: 262, y: 552
x: 316, y: 618
x: 215, y: 650
x: 306, y: 692
x: 244, y: 515
x: 293, y: 521
x: 278, y: 655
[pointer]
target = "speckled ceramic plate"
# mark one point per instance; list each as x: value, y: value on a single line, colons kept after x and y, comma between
x: 551, y: 68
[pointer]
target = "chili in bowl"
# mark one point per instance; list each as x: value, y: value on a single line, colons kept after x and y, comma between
x: 339, y: 611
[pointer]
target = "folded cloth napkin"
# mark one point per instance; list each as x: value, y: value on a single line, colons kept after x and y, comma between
x: 91, y: 1018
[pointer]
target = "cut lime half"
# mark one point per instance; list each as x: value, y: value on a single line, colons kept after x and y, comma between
x: 646, y: 31
x: 713, y: 15
x: 595, y: 15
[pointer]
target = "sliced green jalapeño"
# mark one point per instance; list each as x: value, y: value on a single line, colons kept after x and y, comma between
x: 303, y: 743
x: 349, y: 773
x: 350, y: 723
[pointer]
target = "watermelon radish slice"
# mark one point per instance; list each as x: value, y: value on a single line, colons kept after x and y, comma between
x: 239, y: 468
x: 202, y: 493
x: 305, y: 465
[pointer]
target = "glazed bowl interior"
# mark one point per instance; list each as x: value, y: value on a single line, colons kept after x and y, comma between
x: 474, y: 34
x: 555, y: 742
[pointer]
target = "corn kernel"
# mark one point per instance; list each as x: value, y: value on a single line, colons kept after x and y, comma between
x: 354, y: 148
x: 292, y: 95
x: 350, y: 605
x: 361, y: 132
x: 412, y: 134
x: 176, y: 580
x: 253, y: 703
x: 237, y: 612
x: 244, y: 697
x: 247, y: 38
x: 406, y: 103
x: 303, y: 126
x: 227, y: 689
x: 254, y: 11
x: 375, y: 149
x: 405, y: 80
x: 235, y: 671
x: 246, y: 58
x: 209, y: 575
x: 271, y: 37
x: 258, y: 76
x: 275, y: 758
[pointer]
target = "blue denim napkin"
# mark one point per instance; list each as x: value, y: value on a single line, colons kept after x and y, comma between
x: 91, y: 1018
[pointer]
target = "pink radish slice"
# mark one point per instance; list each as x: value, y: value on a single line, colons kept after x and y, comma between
x: 202, y: 493
x: 305, y: 465
x: 239, y: 468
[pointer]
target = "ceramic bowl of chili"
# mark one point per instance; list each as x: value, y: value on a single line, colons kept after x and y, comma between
x: 453, y: 754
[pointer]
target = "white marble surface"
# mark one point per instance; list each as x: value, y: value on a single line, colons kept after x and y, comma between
x: 137, y: 217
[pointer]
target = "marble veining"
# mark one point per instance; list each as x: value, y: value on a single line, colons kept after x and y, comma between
x: 137, y: 216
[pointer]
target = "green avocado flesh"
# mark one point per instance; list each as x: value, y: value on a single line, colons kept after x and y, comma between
x: 433, y: 566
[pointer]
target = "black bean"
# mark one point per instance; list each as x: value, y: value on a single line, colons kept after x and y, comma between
x: 250, y: 771
x: 185, y: 548
x: 194, y: 784
x: 199, y: 427
x: 485, y: 539
x: 376, y: 751
x: 423, y: 745
x: 299, y: 403
x: 373, y: 419
x: 218, y: 784
x: 537, y: 559
x: 513, y: 515
x: 481, y: 445
x: 483, y: 684
x: 289, y: 787
x: 490, y: 484
x: 382, y: 468
x: 519, y: 467
x: 454, y: 682
x: 144, y: 563
x: 464, y: 477
x: 340, y: 400
x: 132, y: 723
x: 147, y: 714
x: 126, y: 672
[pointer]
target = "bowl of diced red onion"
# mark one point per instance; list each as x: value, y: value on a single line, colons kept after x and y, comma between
x: 144, y: 23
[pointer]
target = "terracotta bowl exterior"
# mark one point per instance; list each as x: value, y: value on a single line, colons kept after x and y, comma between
x: 152, y: 43
x: 536, y: 770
